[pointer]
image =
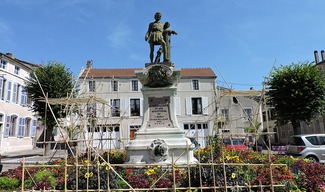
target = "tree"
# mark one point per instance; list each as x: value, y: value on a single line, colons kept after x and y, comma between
x: 56, y: 82
x: 297, y: 93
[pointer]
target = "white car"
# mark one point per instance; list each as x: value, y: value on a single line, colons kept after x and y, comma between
x: 309, y: 146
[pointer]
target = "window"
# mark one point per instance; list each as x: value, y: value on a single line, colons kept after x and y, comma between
x: 3, y: 64
x: 92, y: 86
x: 235, y: 100
x: 313, y: 140
x: 115, y: 103
x: 195, y: 84
x: 12, y: 126
x: 114, y: 85
x: 135, y: 107
x: 135, y: 86
x: 28, y: 127
x: 196, y: 106
x: 133, y: 129
x: 225, y: 114
x: 91, y: 109
x: 247, y: 114
x: 16, y: 70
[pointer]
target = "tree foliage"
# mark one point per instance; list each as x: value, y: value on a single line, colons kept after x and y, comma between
x: 57, y: 82
x: 297, y: 93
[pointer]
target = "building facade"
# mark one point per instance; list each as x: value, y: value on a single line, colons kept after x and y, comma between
x: 120, y: 114
x: 17, y: 122
x: 239, y: 113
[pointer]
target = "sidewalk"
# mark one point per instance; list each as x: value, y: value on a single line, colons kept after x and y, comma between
x: 32, y: 152
x: 13, y: 159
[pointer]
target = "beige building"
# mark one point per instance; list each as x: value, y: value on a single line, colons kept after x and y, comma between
x: 17, y: 122
x: 120, y: 114
x: 240, y: 113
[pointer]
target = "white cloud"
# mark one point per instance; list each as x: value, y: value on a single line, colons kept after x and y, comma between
x: 120, y: 36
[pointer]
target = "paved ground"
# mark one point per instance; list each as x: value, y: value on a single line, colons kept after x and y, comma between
x: 13, y: 160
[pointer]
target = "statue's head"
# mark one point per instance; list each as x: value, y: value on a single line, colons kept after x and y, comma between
x: 158, y: 15
x: 166, y: 25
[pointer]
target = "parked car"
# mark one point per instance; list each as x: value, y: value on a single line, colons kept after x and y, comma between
x: 235, y: 143
x: 309, y: 146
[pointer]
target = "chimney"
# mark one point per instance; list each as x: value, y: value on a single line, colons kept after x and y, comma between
x: 89, y: 64
x: 11, y: 55
x: 322, y: 54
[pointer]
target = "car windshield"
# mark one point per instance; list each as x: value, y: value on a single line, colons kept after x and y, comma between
x: 296, y: 141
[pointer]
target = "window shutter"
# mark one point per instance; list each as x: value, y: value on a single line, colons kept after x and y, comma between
x: 33, y: 130
x: 205, y: 105
x: 20, y: 127
x: 107, y: 108
x: 1, y: 87
x: 8, y: 91
x: 141, y: 106
x: 177, y: 105
x: 125, y: 107
x: 188, y: 103
x: 6, y: 131
x: 14, y: 93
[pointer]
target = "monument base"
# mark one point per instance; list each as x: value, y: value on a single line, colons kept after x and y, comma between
x: 171, y: 147
x: 160, y: 139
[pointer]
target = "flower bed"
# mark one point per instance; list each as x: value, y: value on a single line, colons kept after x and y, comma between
x: 218, y: 169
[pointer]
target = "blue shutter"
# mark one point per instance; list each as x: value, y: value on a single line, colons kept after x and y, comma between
x: 22, y: 96
x: 1, y: 87
x: 8, y: 91
x: 14, y: 93
x: 6, y: 132
x: 33, y: 130
x: 20, y: 127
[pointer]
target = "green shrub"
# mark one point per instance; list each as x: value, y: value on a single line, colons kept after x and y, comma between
x: 44, y: 179
x: 9, y: 183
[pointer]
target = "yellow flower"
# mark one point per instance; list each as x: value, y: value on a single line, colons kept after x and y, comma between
x: 104, y: 163
x: 87, y: 175
x: 107, y: 168
x: 150, y: 172
x: 233, y: 175
x: 86, y: 162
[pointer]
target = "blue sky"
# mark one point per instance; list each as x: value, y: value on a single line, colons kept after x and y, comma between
x: 239, y: 39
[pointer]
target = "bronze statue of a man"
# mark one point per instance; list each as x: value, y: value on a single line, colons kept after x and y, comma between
x: 154, y: 36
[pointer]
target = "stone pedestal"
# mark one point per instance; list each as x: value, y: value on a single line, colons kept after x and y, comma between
x: 160, y: 139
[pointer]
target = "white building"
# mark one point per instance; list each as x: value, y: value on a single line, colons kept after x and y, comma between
x: 123, y: 112
x: 17, y: 121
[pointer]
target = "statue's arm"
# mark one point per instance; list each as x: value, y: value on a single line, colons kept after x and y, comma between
x: 148, y: 32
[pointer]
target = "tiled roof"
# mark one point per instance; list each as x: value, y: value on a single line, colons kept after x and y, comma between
x: 129, y: 72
